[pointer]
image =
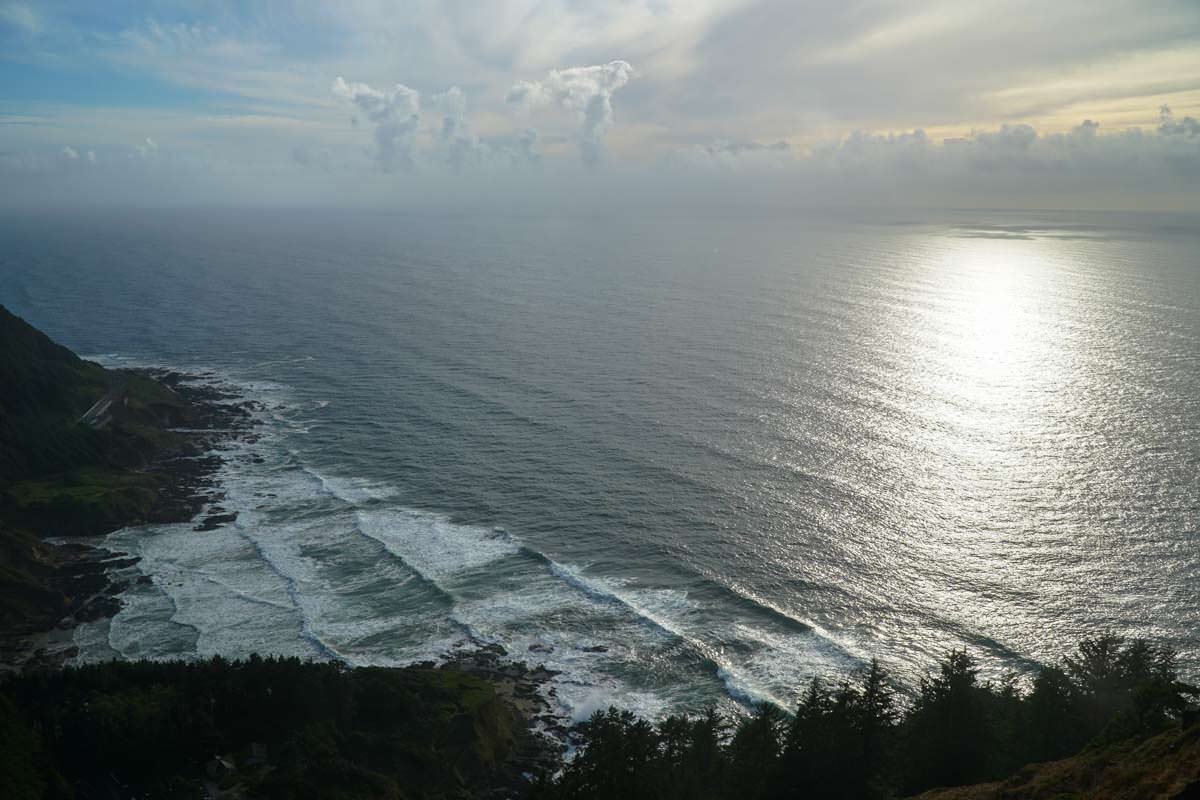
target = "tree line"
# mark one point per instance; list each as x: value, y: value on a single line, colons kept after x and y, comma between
x: 858, y: 739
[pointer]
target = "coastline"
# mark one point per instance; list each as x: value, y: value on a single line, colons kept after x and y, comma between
x: 204, y: 419
x: 80, y: 569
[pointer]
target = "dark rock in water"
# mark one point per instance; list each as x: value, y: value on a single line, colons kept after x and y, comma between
x: 97, y: 608
x: 538, y: 647
x: 596, y: 648
x: 214, y: 521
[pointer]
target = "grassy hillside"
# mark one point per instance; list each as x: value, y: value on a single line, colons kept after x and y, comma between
x: 59, y: 475
x: 44, y: 388
x: 62, y: 475
x: 1166, y: 767
x: 28, y: 598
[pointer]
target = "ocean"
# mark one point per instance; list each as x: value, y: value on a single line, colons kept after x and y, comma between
x: 685, y: 460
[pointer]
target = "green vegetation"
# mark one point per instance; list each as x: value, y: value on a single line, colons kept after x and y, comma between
x: 88, y: 499
x: 27, y: 599
x: 854, y: 739
x: 63, y: 476
x: 275, y: 728
x: 44, y: 390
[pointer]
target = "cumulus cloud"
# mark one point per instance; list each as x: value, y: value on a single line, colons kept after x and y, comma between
x: 403, y: 140
x: 587, y: 91
x: 1169, y: 126
x: 71, y: 158
x: 737, y: 155
x: 462, y: 147
x: 396, y: 115
x: 452, y: 103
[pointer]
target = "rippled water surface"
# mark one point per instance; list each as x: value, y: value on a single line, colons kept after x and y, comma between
x: 682, y: 460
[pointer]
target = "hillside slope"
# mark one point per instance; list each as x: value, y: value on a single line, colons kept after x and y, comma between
x: 44, y: 388
x: 85, y: 450
x: 1166, y: 767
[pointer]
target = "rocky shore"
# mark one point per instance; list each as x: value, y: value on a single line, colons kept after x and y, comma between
x: 197, y: 425
x: 85, y: 451
x: 201, y: 420
x: 526, y: 690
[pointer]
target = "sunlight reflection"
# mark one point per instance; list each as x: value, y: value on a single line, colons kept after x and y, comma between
x: 991, y: 368
x: 990, y: 351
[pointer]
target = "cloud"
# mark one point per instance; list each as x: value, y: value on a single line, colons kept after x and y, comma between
x: 1009, y: 138
x: 736, y: 155
x: 1016, y: 160
x: 463, y: 149
x: 21, y: 17
x: 396, y: 115
x: 452, y: 103
x: 69, y: 157
x: 1169, y: 126
x: 587, y: 91
x: 401, y: 140
x: 310, y: 157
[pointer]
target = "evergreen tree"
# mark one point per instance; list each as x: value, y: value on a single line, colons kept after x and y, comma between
x: 754, y: 753
x: 1051, y: 727
x: 948, y: 738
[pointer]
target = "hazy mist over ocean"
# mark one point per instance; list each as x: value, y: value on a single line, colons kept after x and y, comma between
x: 682, y: 458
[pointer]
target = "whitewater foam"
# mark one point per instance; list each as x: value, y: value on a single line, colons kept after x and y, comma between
x: 324, y: 565
x: 433, y: 545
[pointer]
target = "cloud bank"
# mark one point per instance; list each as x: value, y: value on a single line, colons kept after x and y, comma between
x: 444, y: 162
x: 849, y: 99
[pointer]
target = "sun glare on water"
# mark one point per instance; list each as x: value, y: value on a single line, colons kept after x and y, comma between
x: 989, y: 384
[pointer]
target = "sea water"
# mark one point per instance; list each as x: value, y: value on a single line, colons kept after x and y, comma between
x: 682, y: 460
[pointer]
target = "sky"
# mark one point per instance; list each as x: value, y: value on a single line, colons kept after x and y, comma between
x: 983, y: 103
